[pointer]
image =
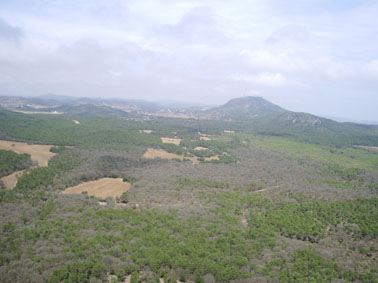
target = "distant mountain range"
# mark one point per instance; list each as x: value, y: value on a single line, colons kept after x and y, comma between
x: 254, y: 113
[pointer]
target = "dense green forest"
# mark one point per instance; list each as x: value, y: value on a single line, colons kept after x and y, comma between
x: 273, y: 208
x: 11, y: 162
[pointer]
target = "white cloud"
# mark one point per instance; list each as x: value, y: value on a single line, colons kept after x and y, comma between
x: 191, y: 50
x: 371, y: 69
x: 263, y: 79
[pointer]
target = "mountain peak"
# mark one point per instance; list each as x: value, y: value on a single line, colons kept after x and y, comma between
x: 244, y: 99
x: 246, y: 108
x: 255, y: 102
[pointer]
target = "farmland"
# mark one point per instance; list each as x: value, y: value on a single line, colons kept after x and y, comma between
x: 102, y: 188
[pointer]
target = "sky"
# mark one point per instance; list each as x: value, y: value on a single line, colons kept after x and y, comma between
x: 316, y: 56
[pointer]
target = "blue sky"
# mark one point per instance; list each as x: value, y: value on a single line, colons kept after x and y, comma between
x: 314, y: 56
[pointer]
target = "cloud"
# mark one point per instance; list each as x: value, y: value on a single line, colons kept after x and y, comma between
x: 371, y: 69
x: 9, y: 32
x: 263, y: 79
x: 289, y: 34
x: 197, y: 26
x: 208, y: 51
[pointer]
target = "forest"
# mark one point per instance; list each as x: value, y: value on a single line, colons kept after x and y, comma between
x: 270, y: 208
x: 11, y: 161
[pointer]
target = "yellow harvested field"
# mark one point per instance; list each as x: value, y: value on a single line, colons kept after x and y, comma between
x: 10, y: 181
x: 171, y: 140
x: 39, y: 153
x: 215, y: 157
x: 205, y: 139
x: 102, y: 188
x: 200, y: 148
x: 375, y: 148
x: 152, y: 153
x: 145, y: 131
x: 76, y: 122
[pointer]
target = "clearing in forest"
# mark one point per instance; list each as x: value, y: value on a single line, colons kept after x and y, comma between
x: 374, y: 148
x: 200, y: 148
x: 10, y: 181
x: 215, y: 157
x: 205, y: 139
x: 39, y: 153
x: 152, y: 153
x: 171, y: 140
x: 102, y: 188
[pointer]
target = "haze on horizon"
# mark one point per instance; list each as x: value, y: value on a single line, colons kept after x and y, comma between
x: 313, y: 56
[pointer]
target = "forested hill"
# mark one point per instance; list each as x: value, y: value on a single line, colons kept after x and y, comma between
x: 245, y: 108
x: 264, y: 117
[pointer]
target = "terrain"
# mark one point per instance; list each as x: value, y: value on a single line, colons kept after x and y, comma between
x: 244, y: 192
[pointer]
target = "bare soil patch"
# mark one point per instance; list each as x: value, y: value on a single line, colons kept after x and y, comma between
x: 152, y: 153
x: 215, y: 157
x: 200, y: 148
x: 102, y: 188
x: 374, y: 148
x: 229, y: 132
x: 145, y: 131
x: 39, y: 153
x: 10, y: 181
x: 76, y: 122
x: 171, y: 140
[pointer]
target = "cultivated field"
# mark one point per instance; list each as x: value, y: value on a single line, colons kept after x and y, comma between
x: 215, y: 157
x: 374, y: 148
x: 152, y: 153
x: 38, y: 153
x: 102, y: 188
x: 10, y: 181
x: 171, y: 140
x: 200, y: 148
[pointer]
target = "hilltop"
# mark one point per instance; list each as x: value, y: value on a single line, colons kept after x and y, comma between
x: 245, y: 108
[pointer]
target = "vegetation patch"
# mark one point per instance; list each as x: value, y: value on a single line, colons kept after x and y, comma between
x: 305, y: 265
x: 11, y: 162
x: 348, y: 157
